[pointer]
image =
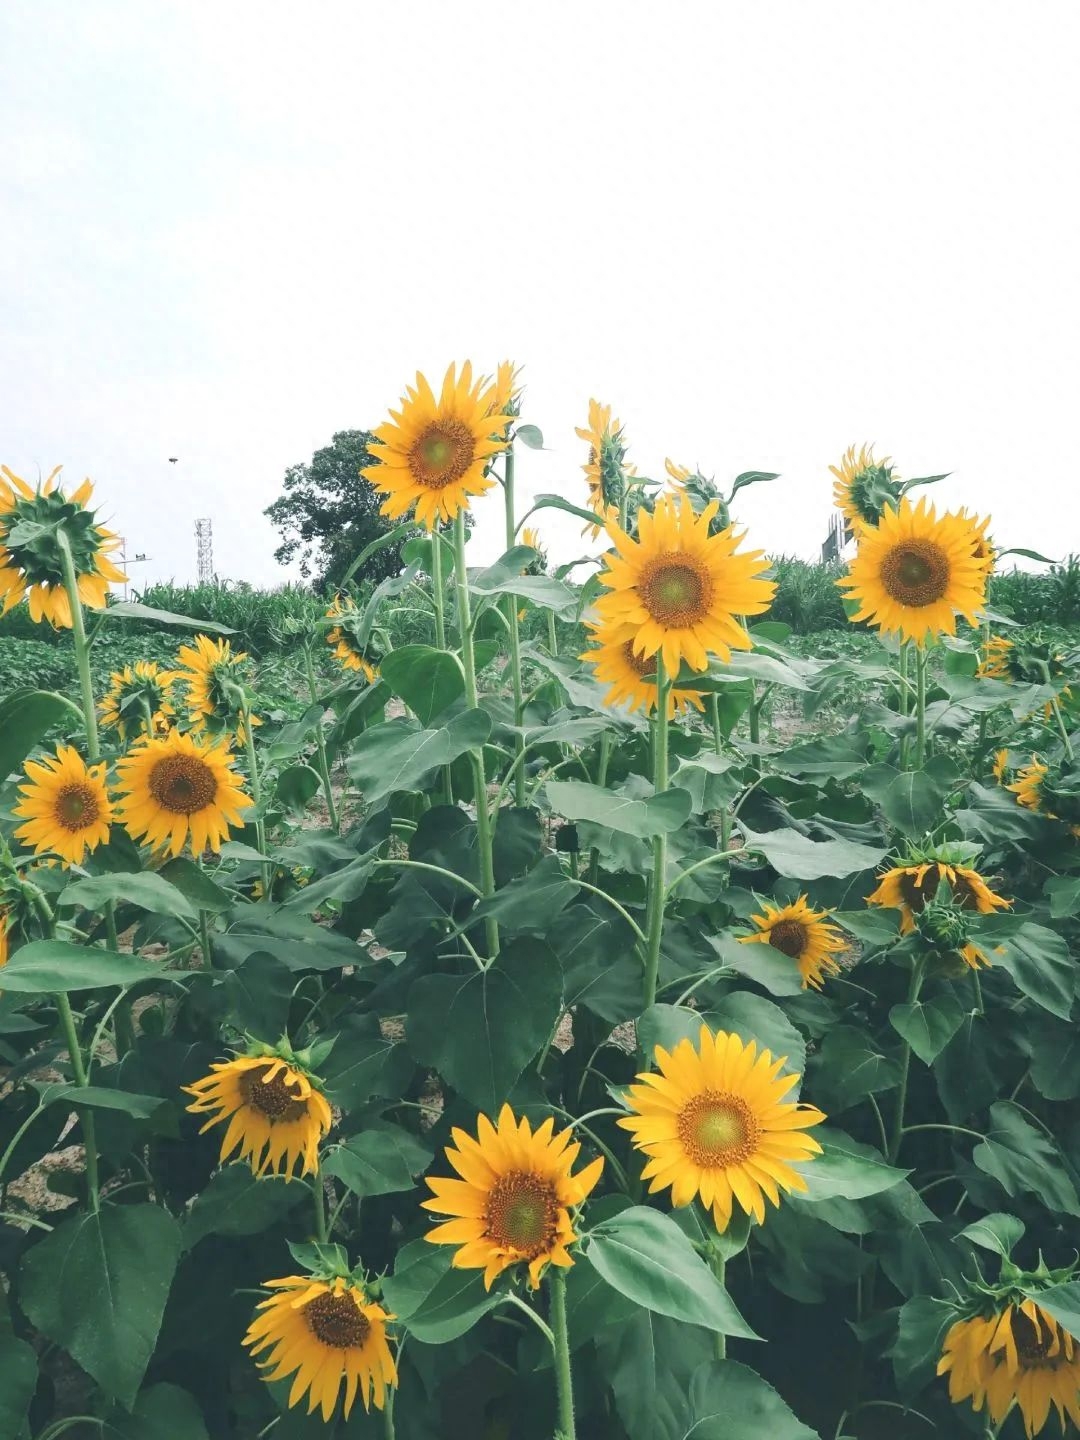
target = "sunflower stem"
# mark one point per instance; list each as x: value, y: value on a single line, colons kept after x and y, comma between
x: 601, y: 780
x: 905, y: 1069
x: 468, y: 658
x: 564, y: 1383
x: 86, y: 1119
x: 920, y: 707
x: 204, y: 940
x: 438, y: 592
x: 82, y: 649
x: 552, y: 635
x: 318, y: 1195
x: 256, y: 795
x: 320, y: 741
x: 512, y: 623
x: 657, y: 890
x: 719, y: 1268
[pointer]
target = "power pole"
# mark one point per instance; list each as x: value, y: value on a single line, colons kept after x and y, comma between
x: 139, y: 558
x: 204, y: 550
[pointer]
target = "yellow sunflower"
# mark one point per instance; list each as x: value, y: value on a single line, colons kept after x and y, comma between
x: 804, y: 934
x: 210, y: 671
x: 677, y: 474
x: 327, y: 1331
x: 276, y: 1115
x: 178, y: 787
x: 507, y: 390
x: 342, y: 643
x: 1001, y: 765
x: 606, y: 470
x: 914, y: 573
x: 677, y: 590
x: 714, y: 1124
x: 138, y: 701
x: 863, y: 487
x: 4, y: 942
x: 65, y: 805
x: 434, y: 453
x: 1030, y: 788
x: 631, y: 677
x: 512, y: 1204
x: 995, y: 661
x: 985, y: 550
x: 1017, y: 1355
x: 35, y: 567
x: 910, y: 888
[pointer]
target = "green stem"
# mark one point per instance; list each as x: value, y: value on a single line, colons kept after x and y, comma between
x: 920, y: 707
x: 552, y: 635
x: 320, y: 741
x: 657, y: 890
x: 719, y: 855
x: 512, y: 622
x: 564, y: 1383
x: 256, y: 795
x: 714, y: 715
x: 468, y: 660
x: 319, y: 1198
x: 718, y: 1266
x: 86, y: 1119
x: 601, y: 780
x: 905, y: 1069
x: 754, y: 716
x: 204, y: 940
x: 438, y: 591
x: 82, y: 649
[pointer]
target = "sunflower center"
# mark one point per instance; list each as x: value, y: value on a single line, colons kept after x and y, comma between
x: 915, y: 573
x: 640, y: 664
x: 789, y: 937
x: 77, y: 807
x: 337, y: 1321
x: 917, y: 897
x: 522, y: 1213
x: 442, y: 454
x: 272, y: 1098
x: 675, y: 591
x: 718, y: 1129
x: 182, y: 784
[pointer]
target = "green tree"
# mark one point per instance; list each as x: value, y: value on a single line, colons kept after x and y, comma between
x: 328, y: 513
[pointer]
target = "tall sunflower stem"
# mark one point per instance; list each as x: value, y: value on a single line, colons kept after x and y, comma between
x: 318, y: 1196
x: 601, y: 780
x: 468, y: 659
x: 552, y: 635
x: 905, y: 1069
x: 438, y: 592
x: 256, y: 795
x: 564, y: 1380
x: 86, y: 1119
x: 320, y: 742
x: 204, y: 940
x: 920, y: 707
x: 718, y: 1265
x: 657, y: 880
x: 512, y: 624
x: 82, y: 648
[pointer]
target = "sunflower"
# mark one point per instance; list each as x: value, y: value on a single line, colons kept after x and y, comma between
x: 804, y: 934
x: 914, y: 573
x: 606, y: 470
x: 177, y: 788
x: 276, y: 1115
x: 714, y: 1123
x: 864, y: 486
x: 995, y: 662
x: 631, y: 678
x: 513, y: 1201
x: 326, y: 1331
x: 66, y: 806
x: 138, y: 701
x: 1049, y: 793
x: 1001, y: 766
x: 342, y: 642
x: 434, y: 453
x: 215, y: 702
x: 507, y: 396
x: 677, y: 590
x: 1017, y: 1355
x: 4, y: 943
x: 985, y: 550
x: 678, y: 474
x: 910, y: 888
x: 35, y: 565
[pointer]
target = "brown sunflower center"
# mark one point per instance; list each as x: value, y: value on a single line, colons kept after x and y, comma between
x: 917, y: 897
x: 1034, y: 1343
x: 77, y: 807
x: 789, y: 937
x: 675, y: 590
x: 272, y: 1098
x: 337, y: 1321
x: 915, y: 573
x: 640, y: 664
x: 183, y: 784
x: 442, y: 453
x: 522, y: 1213
x: 717, y: 1129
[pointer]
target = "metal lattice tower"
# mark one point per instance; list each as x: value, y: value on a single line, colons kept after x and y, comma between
x: 204, y: 549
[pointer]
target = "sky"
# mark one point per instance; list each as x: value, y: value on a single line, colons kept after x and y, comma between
x: 760, y: 232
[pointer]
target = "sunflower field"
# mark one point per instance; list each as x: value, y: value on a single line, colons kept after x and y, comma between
x: 597, y: 1018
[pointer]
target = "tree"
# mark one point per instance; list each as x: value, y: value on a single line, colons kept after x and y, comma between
x: 328, y: 513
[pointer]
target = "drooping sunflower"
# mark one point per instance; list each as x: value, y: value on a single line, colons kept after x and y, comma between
x: 212, y: 672
x: 606, y: 469
x: 65, y: 805
x: 178, y: 788
x: 714, y: 1124
x: 995, y: 662
x: 4, y: 942
x: 677, y: 590
x: 36, y: 566
x: 632, y: 677
x: 1049, y: 792
x: 1015, y: 1355
x: 277, y: 1117
x: 914, y: 573
x: 327, y: 1331
x: 863, y: 487
x: 512, y: 1204
x: 138, y: 701
x: 910, y: 888
x: 341, y: 641
x: 507, y: 390
x: 1001, y: 766
x: 677, y: 474
x: 434, y: 453
x: 803, y: 933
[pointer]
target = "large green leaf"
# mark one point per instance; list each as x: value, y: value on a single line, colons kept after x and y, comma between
x: 18, y: 1381
x: 921, y: 1328
x: 849, y: 1067
x: 1024, y: 1161
x: 26, y: 716
x: 751, y: 1017
x: 529, y: 904
x: 1037, y: 958
x: 97, y: 1287
x: 646, y: 1257
x: 364, y: 1063
x: 381, y: 1160
x: 481, y: 1029
x: 296, y: 787
x: 648, y: 1362
x: 147, y: 891
x: 101, y: 1097
x: 400, y: 755
x: 837, y: 755
x: 133, y: 610
x: 162, y: 1412
x: 846, y: 1169
x: 259, y: 995
x: 48, y: 966
x: 237, y: 1202
x: 729, y: 1401
x: 600, y: 967
x: 928, y: 1025
x: 434, y: 1302
x: 1063, y: 1303
x: 191, y: 880
x: 1055, y: 1058
x: 659, y: 815
x: 912, y: 800
x: 507, y: 577
x: 797, y: 857
x: 998, y: 1232
x: 428, y: 680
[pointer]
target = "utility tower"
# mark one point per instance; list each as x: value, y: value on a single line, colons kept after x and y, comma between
x: 204, y: 549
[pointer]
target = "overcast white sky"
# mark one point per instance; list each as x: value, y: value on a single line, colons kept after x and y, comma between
x: 761, y: 232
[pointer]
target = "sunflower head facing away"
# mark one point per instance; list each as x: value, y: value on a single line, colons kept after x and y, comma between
x: 507, y: 389
x: 1001, y: 766
x: 275, y: 1114
x: 326, y: 1331
x: 1014, y: 1354
x: 914, y: 573
x: 216, y: 700
x: 65, y: 806
x: 139, y: 701
x: 916, y: 891
x: 804, y: 934
x: 342, y: 641
x: 513, y: 1201
x: 1050, y: 789
x: 31, y: 557
x: 863, y: 487
x: 434, y: 453
x: 677, y: 590
x: 606, y: 470
x: 178, y: 788
x: 631, y: 678
x: 714, y: 1123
